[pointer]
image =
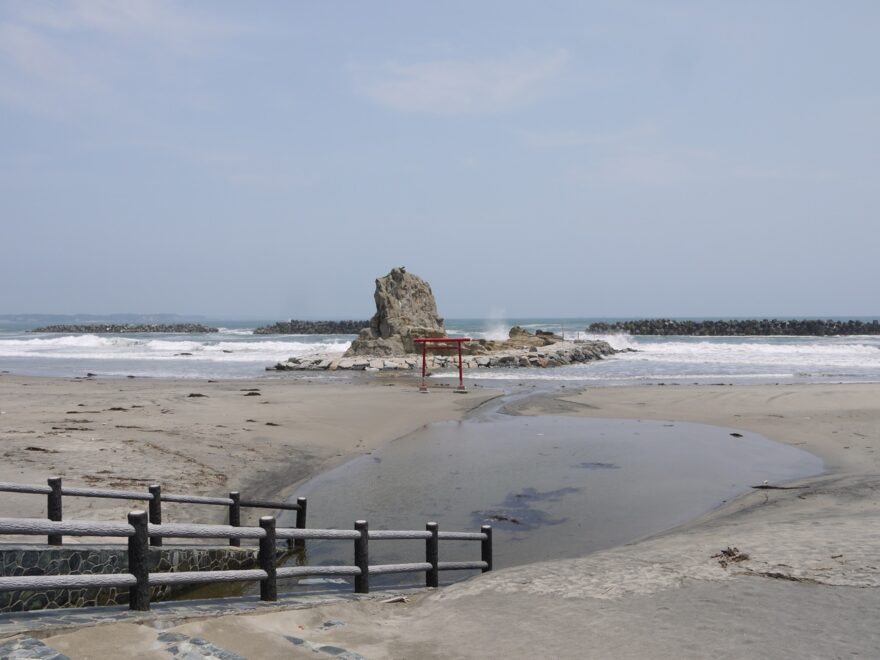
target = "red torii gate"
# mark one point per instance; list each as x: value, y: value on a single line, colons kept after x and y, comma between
x: 439, y: 345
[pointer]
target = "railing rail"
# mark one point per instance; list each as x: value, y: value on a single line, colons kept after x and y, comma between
x: 138, y: 530
x: 55, y: 491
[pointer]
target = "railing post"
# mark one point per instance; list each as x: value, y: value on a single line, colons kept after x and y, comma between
x: 362, y: 558
x: 235, y: 515
x: 432, y: 555
x: 156, y: 512
x: 300, y: 544
x: 266, y: 558
x: 54, y: 507
x: 138, y: 558
x: 486, y: 547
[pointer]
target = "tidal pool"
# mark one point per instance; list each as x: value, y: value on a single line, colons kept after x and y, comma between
x: 551, y: 487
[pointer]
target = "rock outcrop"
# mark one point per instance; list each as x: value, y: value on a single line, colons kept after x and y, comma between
x: 518, y: 338
x: 559, y: 354
x: 740, y: 327
x: 294, y: 327
x: 405, y: 310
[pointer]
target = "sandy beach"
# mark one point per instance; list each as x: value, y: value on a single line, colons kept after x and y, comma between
x: 800, y: 578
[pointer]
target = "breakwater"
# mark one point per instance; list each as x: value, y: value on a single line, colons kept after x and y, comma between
x: 554, y: 355
x: 294, y: 327
x: 747, y: 327
x: 123, y: 328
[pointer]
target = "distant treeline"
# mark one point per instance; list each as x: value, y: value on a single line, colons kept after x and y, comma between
x: 810, y: 327
x: 116, y: 328
x: 293, y: 327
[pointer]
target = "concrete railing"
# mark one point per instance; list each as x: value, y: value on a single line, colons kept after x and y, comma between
x: 138, y: 531
x: 55, y: 491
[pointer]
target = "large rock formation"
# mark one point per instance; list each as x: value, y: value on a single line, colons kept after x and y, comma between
x: 405, y: 310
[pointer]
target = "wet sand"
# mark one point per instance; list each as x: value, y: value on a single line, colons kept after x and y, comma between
x: 261, y: 437
x: 802, y: 582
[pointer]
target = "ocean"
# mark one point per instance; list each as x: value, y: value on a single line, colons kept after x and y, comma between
x: 235, y: 352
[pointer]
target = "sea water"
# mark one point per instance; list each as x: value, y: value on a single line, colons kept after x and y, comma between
x: 235, y: 352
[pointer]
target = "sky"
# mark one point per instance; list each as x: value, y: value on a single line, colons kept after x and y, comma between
x: 584, y: 159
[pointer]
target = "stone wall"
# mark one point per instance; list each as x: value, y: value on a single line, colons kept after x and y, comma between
x: 17, y: 560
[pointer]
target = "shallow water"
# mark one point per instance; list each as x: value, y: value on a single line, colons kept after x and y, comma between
x: 552, y: 487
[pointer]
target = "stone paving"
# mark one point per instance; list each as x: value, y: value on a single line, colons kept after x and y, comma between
x: 21, y: 628
x: 166, y: 613
x: 22, y: 648
x: 175, y: 644
x: 178, y: 645
x: 335, y: 651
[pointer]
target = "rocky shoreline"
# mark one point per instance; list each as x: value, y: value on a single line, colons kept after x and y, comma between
x: 115, y: 328
x: 749, y: 327
x: 295, y: 327
x: 555, y: 355
x: 406, y: 313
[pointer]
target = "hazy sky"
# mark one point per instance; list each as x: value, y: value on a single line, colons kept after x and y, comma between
x: 528, y: 159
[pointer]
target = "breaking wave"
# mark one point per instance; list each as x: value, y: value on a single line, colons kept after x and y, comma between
x: 94, y: 347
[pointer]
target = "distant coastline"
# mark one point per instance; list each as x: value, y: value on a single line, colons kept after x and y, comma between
x: 740, y: 328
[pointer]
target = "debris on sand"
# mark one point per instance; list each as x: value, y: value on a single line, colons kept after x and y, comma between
x: 395, y: 599
x: 730, y: 555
